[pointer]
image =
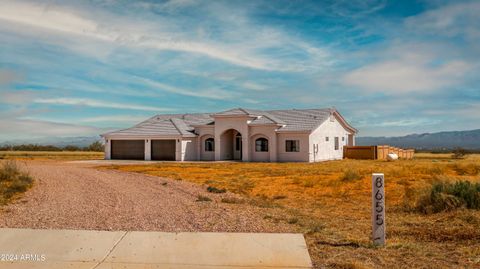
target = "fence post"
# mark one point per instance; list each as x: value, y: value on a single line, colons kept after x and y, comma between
x: 378, y: 209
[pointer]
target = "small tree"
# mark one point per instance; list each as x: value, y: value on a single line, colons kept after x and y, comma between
x: 459, y: 153
x: 95, y: 146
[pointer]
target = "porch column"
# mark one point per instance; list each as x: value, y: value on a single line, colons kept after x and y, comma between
x: 178, y: 150
x: 273, y: 148
x: 217, y: 151
x: 245, y: 148
x: 148, y: 150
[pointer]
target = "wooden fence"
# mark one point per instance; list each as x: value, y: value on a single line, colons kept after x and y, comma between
x: 375, y: 152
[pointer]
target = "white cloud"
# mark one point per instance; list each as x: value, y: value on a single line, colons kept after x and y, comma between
x: 18, y: 97
x: 7, y: 76
x: 96, y: 103
x: 253, y: 86
x: 209, y: 93
x: 408, y: 73
x: 24, y: 128
x: 116, y: 119
x: 450, y: 20
x: 240, y: 50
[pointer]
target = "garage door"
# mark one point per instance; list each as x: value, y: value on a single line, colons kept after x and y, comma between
x: 163, y: 150
x: 128, y: 149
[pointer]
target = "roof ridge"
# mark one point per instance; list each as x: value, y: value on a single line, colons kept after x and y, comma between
x: 175, y: 124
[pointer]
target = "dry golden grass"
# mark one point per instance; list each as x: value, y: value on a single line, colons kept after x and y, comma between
x: 333, y: 209
x: 51, y: 155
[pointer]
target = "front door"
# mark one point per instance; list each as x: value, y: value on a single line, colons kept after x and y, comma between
x: 238, y: 147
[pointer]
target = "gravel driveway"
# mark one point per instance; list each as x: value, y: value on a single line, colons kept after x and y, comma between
x: 79, y: 196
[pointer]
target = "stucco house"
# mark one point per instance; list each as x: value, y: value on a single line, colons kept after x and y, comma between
x: 294, y: 135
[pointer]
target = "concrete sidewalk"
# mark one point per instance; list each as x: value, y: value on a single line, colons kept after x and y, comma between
x: 52, y: 249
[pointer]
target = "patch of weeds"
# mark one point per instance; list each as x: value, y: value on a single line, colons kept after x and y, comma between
x: 351, y: 175
x: 263, y: 201
x: 215, y: 190
x: 314, y: 227
x: 296, y: 181
x: 309, y: 183
x: 13, y: 181
x: 292, y: 221
x: 409, y: 197
x: 435, y: 171
x: 446, y: 196
x: 232, y: 200
x: 201, y: 198
x: 466, y: 169
x: 279, y: 197
x: 347, y: 265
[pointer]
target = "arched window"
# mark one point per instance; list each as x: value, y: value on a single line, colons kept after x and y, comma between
x: 261, y: 145
x: 209, y: 144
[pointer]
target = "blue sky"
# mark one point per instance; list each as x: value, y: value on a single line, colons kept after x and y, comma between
x: 79, y: 68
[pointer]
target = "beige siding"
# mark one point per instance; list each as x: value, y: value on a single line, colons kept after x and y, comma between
x: 301, y: 156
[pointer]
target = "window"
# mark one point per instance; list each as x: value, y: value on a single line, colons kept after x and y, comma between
x: 238, y: 142
x: 292, y: 145
x: 343, y: 138
x: 261, y: 145
x: 337, y: 146
x: 209, y: 144
x: 326, y: 138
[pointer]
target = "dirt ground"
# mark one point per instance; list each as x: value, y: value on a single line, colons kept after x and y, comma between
x: 328, y: 202
x: 76, y: 196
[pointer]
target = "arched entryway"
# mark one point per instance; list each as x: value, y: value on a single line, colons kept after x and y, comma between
x: 231, y: 145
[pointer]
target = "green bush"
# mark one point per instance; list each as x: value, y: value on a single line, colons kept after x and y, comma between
x: 445, y: 196
x: 351, y: 175
x: 12, y: 181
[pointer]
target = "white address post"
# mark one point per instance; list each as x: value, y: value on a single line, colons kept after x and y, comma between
x: 378, y: 209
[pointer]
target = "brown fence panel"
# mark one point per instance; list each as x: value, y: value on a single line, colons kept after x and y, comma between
x: 360, y: 152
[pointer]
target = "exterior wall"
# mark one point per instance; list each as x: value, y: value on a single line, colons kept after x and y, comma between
x: 203, y: 133
x: 326, y: 149
x: 189, y: 149
x: 205, y: 155
x: 192, y: 149
x: 301, y: 156
x: 108, y: 148
x: 269, y: 133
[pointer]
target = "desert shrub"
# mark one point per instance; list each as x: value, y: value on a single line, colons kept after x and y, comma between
x: 201, y: 198
x: 459, y: 153
x: 445, y: 196
x: 12, y: 181
x: 232, y: 200
x: 95, y: 146
x: 215, y: 190
x: 351, y: 175
x: 469, y: 169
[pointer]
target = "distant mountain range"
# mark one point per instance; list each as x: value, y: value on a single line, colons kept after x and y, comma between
x: 441, y: 140
x: 79, y: 141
